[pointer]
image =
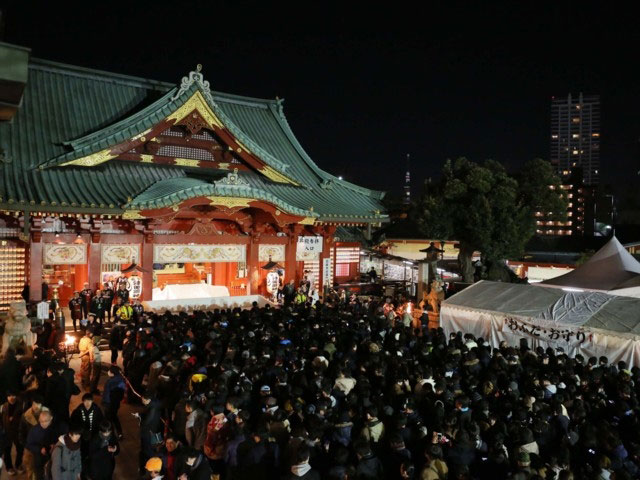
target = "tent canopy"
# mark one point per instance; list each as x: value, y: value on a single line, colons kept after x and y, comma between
x: 597, y: 310
x: 612, y: 269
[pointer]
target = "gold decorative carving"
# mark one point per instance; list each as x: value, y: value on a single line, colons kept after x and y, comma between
x: 223, y: 166
x: 187, y: 162
x: 141, y: 135
x: 196, y: 102
x: 146, y: 158
x: 132, y: 215
x: 276, y: 176
x: 230, y: 202
x: 93, y: 159
x: 307, y: 221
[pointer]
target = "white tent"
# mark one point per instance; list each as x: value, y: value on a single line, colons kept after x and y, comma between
x: 589, y: 323
x: 612, y: 269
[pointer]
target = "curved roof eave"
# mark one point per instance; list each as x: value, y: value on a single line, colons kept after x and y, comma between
x: 206, y: 189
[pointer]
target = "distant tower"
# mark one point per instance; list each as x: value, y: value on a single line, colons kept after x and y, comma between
x: 575, y: 135
x: 407, y: 183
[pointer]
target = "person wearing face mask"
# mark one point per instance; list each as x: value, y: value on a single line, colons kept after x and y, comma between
x: 196, y: 466
x: 103, y: 449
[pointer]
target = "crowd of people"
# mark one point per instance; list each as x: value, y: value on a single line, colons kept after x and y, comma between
x: 341, y: 389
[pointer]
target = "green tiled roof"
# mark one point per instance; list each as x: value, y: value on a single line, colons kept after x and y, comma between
x: 69, y: 112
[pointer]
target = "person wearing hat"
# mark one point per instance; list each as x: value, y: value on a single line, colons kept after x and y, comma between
x: 153, y: 466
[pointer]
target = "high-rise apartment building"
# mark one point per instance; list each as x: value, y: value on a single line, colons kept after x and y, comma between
x: 579, y: 219
x: 575, y: 135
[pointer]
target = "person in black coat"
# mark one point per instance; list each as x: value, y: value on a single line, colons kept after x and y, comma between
x: 107, y: 295
x: 116, y: 337
x: 103, y: 449
x: 150, y: 424
x: 369, y: 466
x: 301, y: 470
x: 55, y: 393
x: 98, y: 306
x: 196, y: 466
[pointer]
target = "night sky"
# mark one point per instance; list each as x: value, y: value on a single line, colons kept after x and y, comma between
x: 365, y: 87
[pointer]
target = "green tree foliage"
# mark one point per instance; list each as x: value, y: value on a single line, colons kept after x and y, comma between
x: 486, y: 209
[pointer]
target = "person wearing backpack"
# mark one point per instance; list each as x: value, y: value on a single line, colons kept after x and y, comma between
x: 66, y: 461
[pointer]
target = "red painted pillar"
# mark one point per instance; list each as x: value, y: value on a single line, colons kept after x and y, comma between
x: 326, y: 253
x: 147, y: 264
x: 95, y: 262
x: 253, y: 286
x: 35, y: 270
x: 290, y: 265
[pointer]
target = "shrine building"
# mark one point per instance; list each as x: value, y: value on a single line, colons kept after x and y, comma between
x: 175, y: 184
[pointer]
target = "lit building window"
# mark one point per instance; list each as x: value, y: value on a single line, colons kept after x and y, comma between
x: 554, y: 136
x: 575, y: 135
x: 575, y: 152
x: 575, y: 120
x: 595, y: 172
x: 595, y: 135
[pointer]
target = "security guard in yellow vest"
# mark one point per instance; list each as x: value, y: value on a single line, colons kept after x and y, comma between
x: 125, y: 312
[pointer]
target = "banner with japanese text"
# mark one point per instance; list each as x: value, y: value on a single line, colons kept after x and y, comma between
x: 495, y: 328
x: 308, y: 248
